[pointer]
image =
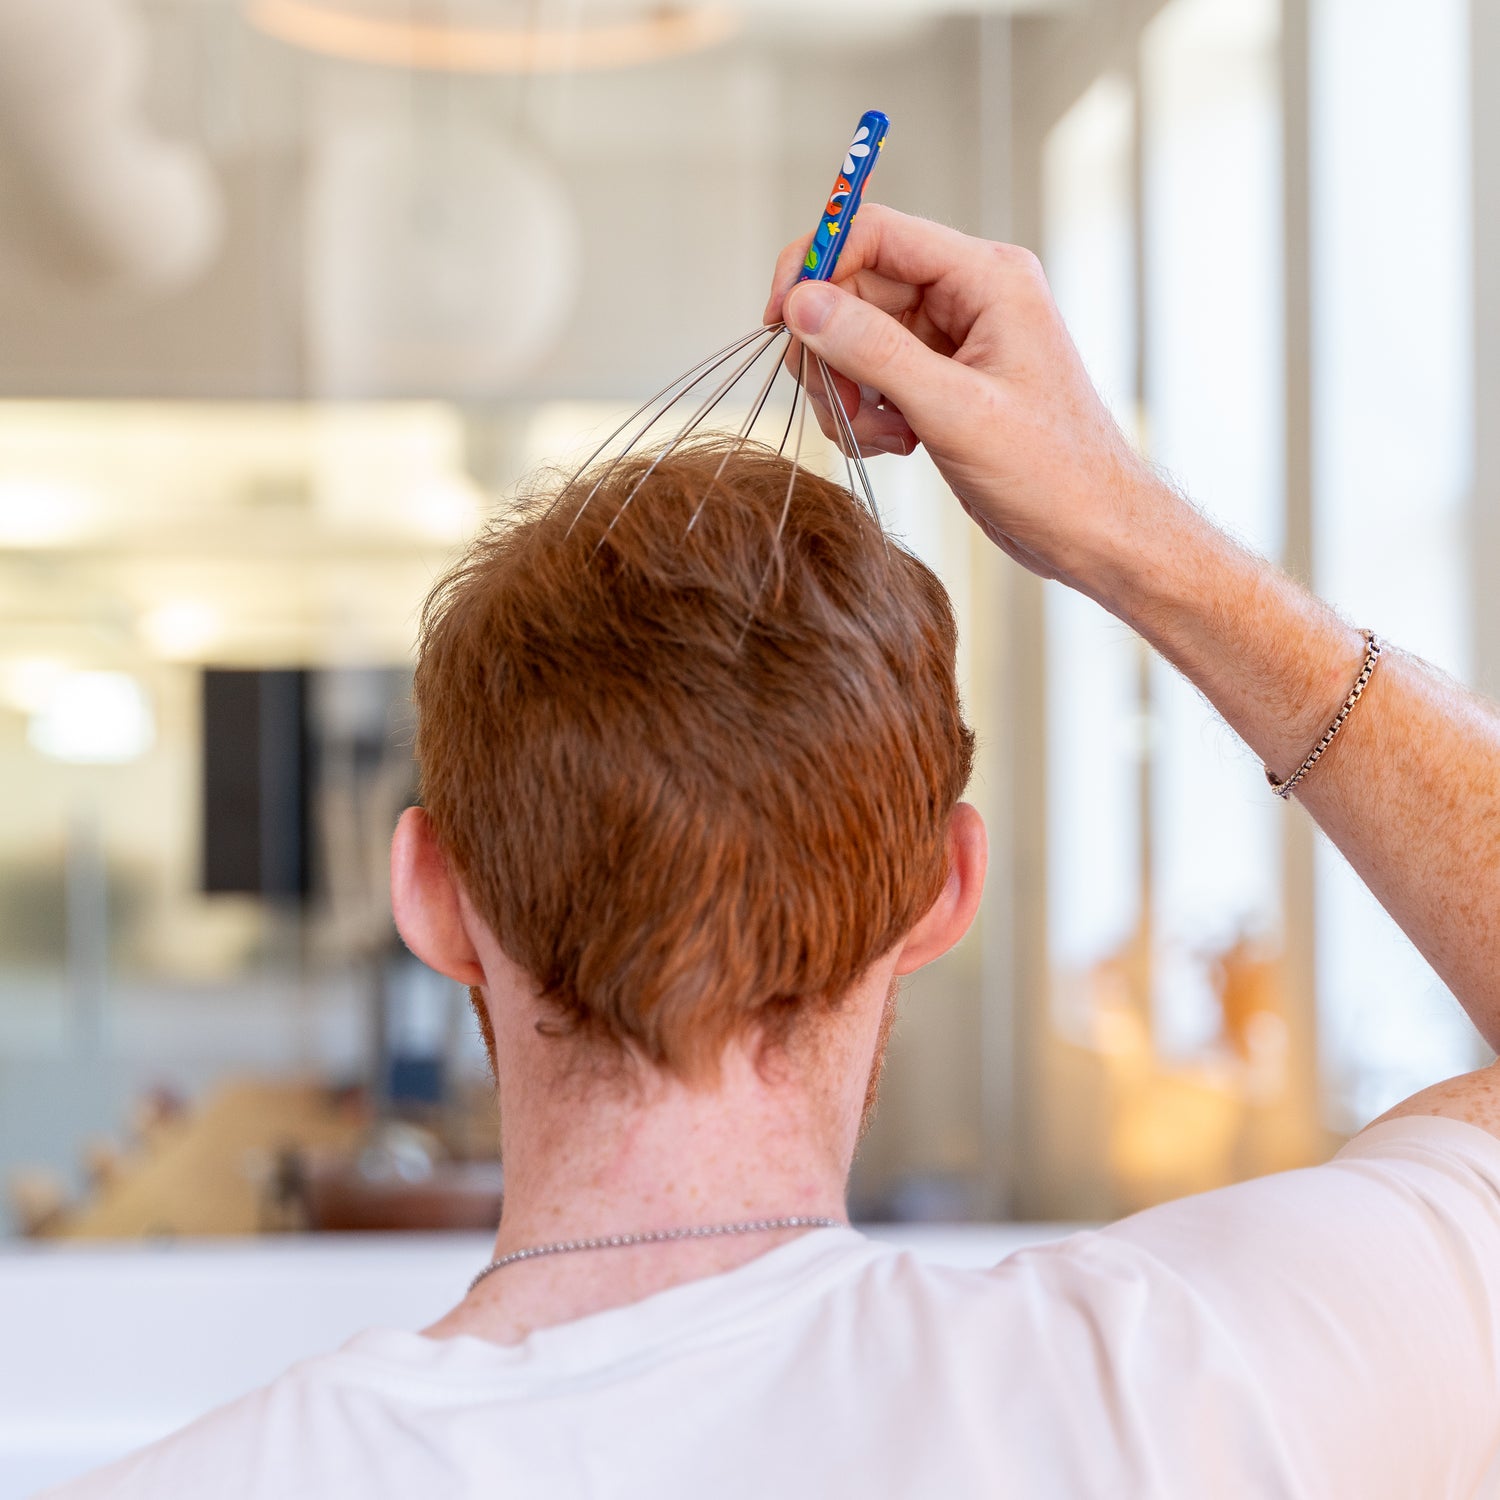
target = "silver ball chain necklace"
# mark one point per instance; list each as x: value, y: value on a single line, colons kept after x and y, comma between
x: 656, y: 1236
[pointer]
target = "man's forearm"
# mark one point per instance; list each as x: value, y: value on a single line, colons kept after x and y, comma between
x: 1409, y: 790
x: 978, y: 365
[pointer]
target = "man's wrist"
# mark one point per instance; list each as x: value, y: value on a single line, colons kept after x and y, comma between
x: 1151, y: 555
x: 1273, y: 659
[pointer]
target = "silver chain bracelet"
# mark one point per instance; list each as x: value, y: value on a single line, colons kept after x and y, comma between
x: 1373, y: 647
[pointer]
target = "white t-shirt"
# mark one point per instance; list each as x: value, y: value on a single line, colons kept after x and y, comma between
x: 1328, y: 1334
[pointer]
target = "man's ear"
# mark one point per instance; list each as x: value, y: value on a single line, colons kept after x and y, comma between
x: 948, y: 917
x: 425, y: 902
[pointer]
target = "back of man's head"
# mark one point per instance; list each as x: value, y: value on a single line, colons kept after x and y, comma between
x: 692, y: 753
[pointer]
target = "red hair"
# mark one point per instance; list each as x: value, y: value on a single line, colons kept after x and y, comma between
x: 692, y: 762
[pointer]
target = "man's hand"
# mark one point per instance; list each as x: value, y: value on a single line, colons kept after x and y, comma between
x: 964, y: 342
x: 968, y: 354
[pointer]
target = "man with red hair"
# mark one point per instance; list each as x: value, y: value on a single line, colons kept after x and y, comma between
x: 692, y: 808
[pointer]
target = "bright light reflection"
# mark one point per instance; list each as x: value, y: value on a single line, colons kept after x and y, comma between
x: 182, y: 629
x: 446, y: 508
x: 94, y: 718
x: 27, y: 682
x: 40, y: 513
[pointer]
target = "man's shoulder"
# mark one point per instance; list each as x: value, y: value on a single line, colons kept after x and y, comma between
x: 1472, y: 1098
x: 245, y: 1449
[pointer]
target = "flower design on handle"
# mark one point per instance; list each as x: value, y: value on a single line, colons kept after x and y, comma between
x: 859, y: 146
x: 843, y: 202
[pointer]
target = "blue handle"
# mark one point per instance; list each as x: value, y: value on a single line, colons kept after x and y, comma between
x: 843, y: 202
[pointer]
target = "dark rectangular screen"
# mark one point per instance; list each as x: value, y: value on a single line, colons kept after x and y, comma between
x: 255, y: 782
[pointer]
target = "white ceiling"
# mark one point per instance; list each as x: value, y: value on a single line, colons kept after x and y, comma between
x: 554, y: 13
x: 860, y: 22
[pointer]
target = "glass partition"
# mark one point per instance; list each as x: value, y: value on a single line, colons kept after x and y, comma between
x: 1393, y: 413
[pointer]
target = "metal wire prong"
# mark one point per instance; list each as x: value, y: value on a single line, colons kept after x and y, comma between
x: 692, y: 425
x: 840, y: 416
x: 747, y: 427
x: 687, y: 381
x: 849, y: 444
x: 801, y: 375
x: 786, y: 503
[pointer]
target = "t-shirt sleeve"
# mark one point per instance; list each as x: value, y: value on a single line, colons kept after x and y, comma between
x: 1364, y: 1300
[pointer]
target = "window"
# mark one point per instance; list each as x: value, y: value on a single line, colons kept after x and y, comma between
x: 1393, y: 419
x: 1094, y: 714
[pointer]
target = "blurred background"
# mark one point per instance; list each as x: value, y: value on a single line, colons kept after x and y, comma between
x: 293, y: 293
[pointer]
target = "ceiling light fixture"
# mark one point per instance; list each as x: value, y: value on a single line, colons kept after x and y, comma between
x: 28, y: 682
x: 344, y: 31
x: 42, y: 513
x: 94, y: 718
x: 182, y: 629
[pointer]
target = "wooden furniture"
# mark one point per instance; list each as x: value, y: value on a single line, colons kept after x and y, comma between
x: 209, y: 1171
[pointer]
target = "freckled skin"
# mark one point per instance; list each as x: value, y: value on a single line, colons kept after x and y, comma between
x: 1474, y: 1097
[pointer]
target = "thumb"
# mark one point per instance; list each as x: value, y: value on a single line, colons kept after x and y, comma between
x: 873, y: 349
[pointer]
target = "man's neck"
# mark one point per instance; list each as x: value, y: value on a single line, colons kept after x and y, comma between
x: 589, y: 1159
x: 661, y: 1150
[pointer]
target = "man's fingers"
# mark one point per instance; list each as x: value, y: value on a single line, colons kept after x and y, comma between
x: 874, y: 431
x: 904, y: 263
x: 873, y: 349
x: 788, y: 268
x: 848, y: 391
x: 878, y: 424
